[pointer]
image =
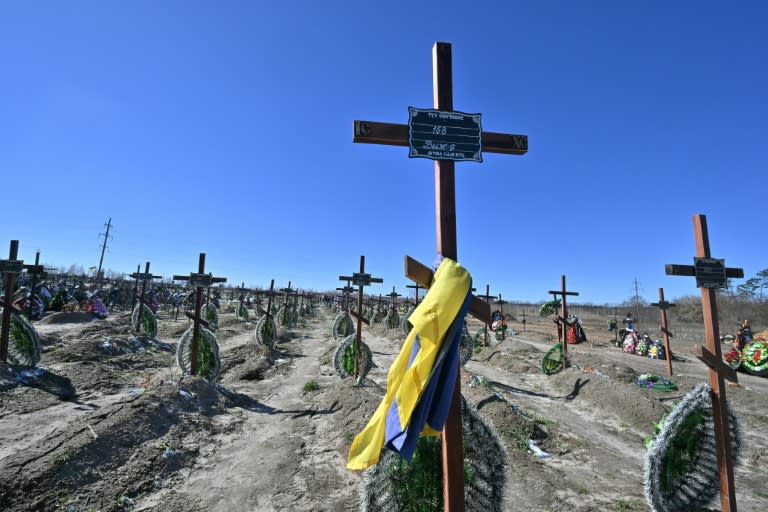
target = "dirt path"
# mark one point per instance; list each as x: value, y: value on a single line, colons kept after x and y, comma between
x: 275, y: 459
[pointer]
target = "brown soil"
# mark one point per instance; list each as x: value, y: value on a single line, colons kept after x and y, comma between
x: 110, y: 425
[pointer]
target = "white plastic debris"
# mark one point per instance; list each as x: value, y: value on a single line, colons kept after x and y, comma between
x: 536, y: 450
x: 185, y: 394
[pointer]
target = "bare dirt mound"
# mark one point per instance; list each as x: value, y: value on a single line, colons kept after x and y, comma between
x: 68, y: 317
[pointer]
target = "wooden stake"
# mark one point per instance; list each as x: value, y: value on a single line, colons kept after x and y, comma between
x: 663, y: 305
x: 561, y: 320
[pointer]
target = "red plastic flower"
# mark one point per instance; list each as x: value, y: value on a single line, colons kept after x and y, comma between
x: 757, y: 356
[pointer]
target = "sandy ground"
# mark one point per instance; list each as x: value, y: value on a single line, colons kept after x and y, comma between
x: 109, y: 425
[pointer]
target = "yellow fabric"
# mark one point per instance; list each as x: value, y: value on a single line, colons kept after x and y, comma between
x: 431, y: 320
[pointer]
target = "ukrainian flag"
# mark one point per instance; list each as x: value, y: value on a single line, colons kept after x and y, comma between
x: 421, y: 380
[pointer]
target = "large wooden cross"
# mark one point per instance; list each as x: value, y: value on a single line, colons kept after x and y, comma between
x: 561, y: 319
x: 487, y: 298
x: 445, y: 209
x: 199, y: 280
x: 361, y: 280
x: 144, y: 278
x: 663, y: 306
x: 711, y: 274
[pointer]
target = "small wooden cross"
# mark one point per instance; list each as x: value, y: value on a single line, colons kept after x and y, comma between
x: 346, y: 292
x: 144, y: 278
x: 487, y: 298
x: 199, y: 280
x: 9, y: 268
x: 561, y: 326
x: 501, y: 303
x: 523, y: 315
x: 393, y: 298
x: 270, y: 294
x: 711, y: 274
x: 663, y: 306
x: 417, y: 287
x: 288, y: 291
x: 361, y: 280
x: 35, y: 272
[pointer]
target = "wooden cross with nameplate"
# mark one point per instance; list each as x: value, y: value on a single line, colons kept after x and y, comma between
x: 417, y: 287
x: 487, y: 298
x: 198, y: 280
x: 501, y: 303
x: 393, y: 299
x: 361, y: 280
x: 436, y: 135
x: 663, y: 306
x: 711, y: 274
x: 10, y: 268
x: 562, y: 324
x: 270, y: 294
x: 144, y: 277
x: 35, y: 272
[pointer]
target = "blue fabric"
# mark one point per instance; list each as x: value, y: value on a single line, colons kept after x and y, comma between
x: 436, y: 398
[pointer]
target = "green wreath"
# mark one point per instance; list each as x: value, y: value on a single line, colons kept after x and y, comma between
x: 392, y: 319
x: 553, y: 360
x: 681, y: 463
x: 147, y: 325
x: 208, y: 362
x: 241, y: 312
x: 406, y: 324
x: 211, y: 315
x: 342, y: 326
x: 266, y: 331
x: 754, y: 358
x: 549, y: 308
x: 344, y: 358
x: 23, y: 342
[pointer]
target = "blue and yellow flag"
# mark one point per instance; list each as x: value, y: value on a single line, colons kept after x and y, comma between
x: 421, y: 380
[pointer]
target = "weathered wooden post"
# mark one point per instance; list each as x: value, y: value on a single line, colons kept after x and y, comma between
x: 9, y: 268
x: 144, y: 278
x: 523, y: 321
x: 361, y: 280
x: 446, y: 137
x: 711, y: 273
x: 199, y: 280
x: 663, y: 305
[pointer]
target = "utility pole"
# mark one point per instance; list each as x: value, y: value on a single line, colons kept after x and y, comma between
x: 637, y: 303
x: 103, y: 248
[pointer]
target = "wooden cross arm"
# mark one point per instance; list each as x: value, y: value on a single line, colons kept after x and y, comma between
x: 359, y: 317
x: 423, y: 275
x: 391, y: 134
x: 709, y: 359
x: 191, y: 316
x: 672, y: 269
x: 559, y: 292
x: 665, y: 331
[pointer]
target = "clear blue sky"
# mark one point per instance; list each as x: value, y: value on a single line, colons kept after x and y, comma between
x: 226, y: 128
